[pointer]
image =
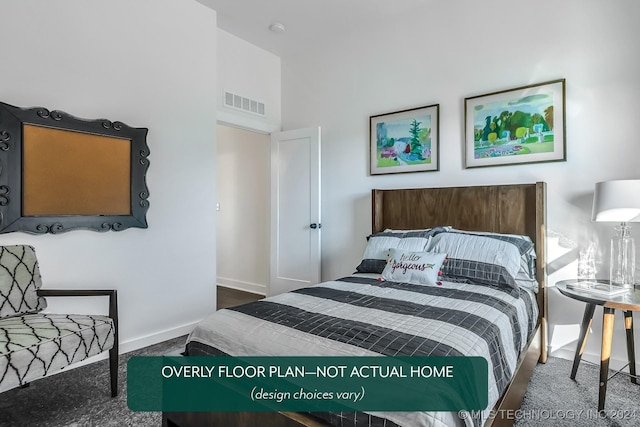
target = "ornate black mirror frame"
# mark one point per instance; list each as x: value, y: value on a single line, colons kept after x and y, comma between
x: 14, y: 121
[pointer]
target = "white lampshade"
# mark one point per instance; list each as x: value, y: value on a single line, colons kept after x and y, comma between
x: 617, y: 201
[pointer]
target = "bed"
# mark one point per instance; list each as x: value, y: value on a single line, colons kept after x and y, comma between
x: 497, y: 314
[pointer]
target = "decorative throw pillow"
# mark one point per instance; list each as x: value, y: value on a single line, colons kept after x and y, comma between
x: 19, y: 281
x: 421, y: 268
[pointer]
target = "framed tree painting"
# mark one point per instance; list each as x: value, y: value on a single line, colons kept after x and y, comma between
x: 404, y: 141
x: 515, y: 126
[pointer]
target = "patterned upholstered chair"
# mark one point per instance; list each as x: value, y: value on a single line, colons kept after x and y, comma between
x: 34, y: 343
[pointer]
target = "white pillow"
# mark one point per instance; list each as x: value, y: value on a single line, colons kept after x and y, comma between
x: 421, y: 268
x: 375, y: 254
x: 526, y: 276
x: 523, y: 243
x: 439, y: 229
x: 481, y: 259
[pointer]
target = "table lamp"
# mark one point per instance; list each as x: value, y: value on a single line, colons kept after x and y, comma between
x: 619, y: 201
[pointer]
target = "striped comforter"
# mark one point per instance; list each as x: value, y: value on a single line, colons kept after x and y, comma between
x: 361, y: 316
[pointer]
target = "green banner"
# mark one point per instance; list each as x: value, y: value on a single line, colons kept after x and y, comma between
x: 257, y: 384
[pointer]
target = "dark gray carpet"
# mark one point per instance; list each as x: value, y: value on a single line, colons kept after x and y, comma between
x: 81, y: 397
x: 553, y: 399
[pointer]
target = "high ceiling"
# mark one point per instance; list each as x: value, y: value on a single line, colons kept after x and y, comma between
x: 309, y: 24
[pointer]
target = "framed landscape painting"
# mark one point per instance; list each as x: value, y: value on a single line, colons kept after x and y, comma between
x: 404, y: 141
x: 521, y: 125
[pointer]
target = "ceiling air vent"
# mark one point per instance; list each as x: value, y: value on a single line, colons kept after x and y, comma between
x: 238, y: 102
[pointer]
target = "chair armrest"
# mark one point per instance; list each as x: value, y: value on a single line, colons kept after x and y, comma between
x: 113, y: 314
x: 111, y: 293
x: 76, y: 292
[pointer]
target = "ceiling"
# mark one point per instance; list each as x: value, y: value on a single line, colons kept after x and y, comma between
x: 310, y: 24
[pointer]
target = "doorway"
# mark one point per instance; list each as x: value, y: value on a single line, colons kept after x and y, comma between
x: 242, y: 223
x: 268, y: 209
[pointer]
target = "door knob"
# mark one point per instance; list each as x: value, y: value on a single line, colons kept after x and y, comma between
x: 314, y: 225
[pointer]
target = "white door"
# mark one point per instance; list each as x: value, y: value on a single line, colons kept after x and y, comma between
x: 295, y: 210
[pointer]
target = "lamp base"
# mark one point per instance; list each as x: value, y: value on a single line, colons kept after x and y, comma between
x: 623, y: 258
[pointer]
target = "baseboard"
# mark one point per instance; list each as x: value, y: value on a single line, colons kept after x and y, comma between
x: 254, y: 288
x: 614, y: 364
x: 156, y: 337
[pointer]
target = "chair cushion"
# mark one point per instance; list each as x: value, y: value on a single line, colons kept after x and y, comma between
x: 19, y: 281
x: 34, y: 345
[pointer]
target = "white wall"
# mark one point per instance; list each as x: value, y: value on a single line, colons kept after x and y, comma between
x: 446, y: 51
x: 243, y: 164
x: 242, y: 175
x: 251, y: 72
x: 149, y: 64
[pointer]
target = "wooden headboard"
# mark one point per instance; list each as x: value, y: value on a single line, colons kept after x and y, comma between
x: 512, y: 209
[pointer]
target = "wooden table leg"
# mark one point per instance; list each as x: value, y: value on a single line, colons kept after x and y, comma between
x: 582, y: 339
x: 631, y: 354
x: 605, y: 355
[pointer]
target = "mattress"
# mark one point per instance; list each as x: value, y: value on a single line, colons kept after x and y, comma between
x: 360, y: 315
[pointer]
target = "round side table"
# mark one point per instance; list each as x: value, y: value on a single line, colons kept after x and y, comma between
x: 628, y: 301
